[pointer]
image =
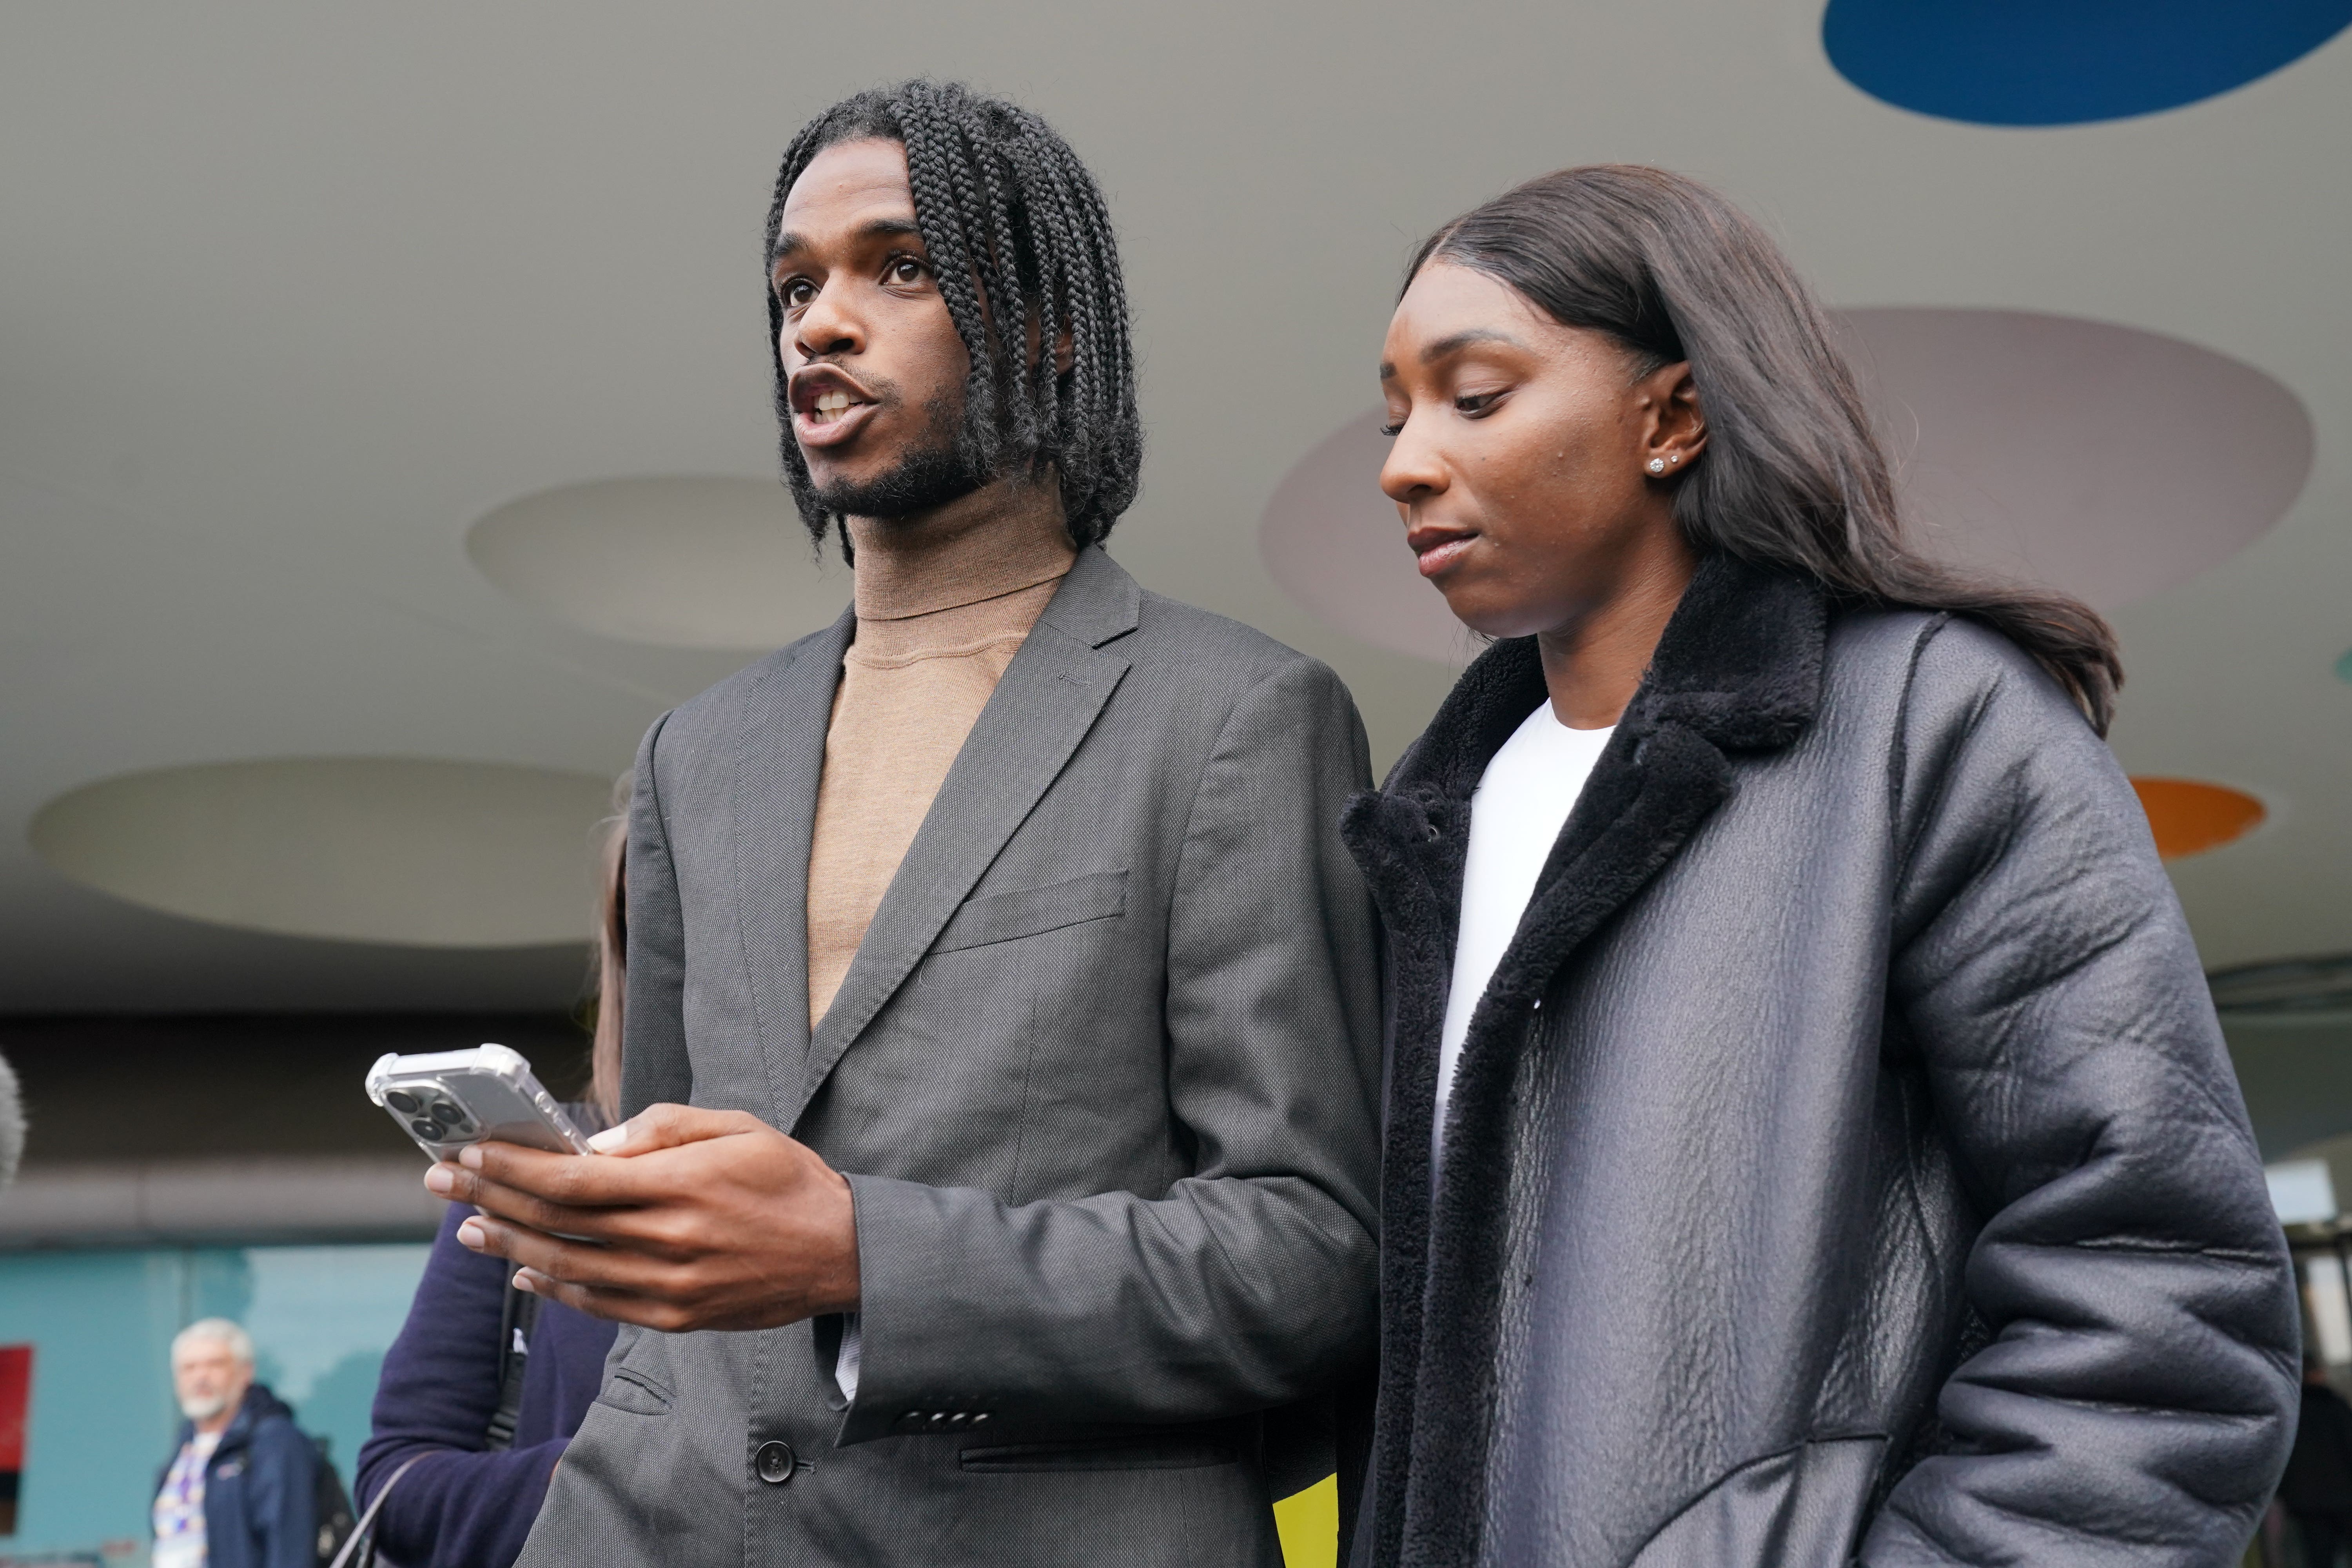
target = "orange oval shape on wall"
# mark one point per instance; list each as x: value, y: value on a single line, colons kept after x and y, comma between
x: 2189, y: 817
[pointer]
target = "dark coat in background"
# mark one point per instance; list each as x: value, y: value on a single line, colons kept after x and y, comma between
x: 1843, y: 1161
x: 2318, y: 1477
x: 463, y: 1506
x: 260, y: 1488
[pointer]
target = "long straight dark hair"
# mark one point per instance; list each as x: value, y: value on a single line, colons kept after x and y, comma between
x: 1793, y: 475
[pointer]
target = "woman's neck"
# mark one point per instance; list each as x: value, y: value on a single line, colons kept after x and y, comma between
x: 1593, y: 664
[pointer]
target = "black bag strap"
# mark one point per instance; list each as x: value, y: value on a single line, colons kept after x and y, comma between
x: 517, y: 1314
x: 359, y: 1548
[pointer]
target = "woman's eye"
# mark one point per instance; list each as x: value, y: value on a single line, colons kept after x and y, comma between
x: 1395, y: 429
x: 1475, y: 401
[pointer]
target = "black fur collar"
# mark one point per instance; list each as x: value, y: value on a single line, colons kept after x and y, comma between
x: 1737, y: 669
x: 1739, y: 665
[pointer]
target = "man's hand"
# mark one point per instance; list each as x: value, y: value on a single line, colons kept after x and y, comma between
x: 686, y: 1219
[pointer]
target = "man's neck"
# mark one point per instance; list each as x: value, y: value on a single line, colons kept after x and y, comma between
x: 1003, y: 537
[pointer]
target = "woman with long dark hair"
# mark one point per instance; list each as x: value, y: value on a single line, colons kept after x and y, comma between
x: 1809, y: 1138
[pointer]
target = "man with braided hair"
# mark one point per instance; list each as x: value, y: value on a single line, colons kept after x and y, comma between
x: 1001, y: 1023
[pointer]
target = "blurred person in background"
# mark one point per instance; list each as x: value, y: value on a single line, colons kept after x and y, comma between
x: 12, y: 1123
x: 241, y: 1491
x: 2316, y: 1490
x: 487, y: 1384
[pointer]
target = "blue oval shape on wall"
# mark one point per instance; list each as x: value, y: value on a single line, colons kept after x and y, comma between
x: 2067, y: 62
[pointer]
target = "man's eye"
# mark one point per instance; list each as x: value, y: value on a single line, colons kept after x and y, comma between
x: 906, y: 269
x: 798, y: 293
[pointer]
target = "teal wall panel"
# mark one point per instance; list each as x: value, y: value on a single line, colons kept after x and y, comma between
x: 101, y: 1323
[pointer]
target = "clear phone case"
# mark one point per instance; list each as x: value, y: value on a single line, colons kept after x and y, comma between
x: 446, y: 1099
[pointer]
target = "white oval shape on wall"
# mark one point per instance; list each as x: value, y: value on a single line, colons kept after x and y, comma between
x: 686, y: 561
x: 383, y: 849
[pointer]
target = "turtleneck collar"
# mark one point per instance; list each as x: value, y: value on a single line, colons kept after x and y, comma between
x: 946, y: 561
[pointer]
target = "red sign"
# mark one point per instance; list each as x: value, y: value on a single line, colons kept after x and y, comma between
x: 15, y: 1400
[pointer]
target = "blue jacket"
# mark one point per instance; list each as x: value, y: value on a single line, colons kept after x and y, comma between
x: 462, y: 1507
x: 260, y: 1488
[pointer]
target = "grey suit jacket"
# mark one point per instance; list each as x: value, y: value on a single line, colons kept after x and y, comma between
x: 1102, y: 1076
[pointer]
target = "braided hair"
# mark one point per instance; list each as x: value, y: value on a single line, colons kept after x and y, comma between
x: 1009, y: 216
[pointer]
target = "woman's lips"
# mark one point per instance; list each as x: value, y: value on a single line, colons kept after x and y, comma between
x: 1443, y: 553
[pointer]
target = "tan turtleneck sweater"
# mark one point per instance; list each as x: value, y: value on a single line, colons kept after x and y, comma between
x: 941, y: 610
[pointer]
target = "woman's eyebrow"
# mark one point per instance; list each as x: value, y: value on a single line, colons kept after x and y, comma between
x: 1455, y: 345
x: 1463, y: 340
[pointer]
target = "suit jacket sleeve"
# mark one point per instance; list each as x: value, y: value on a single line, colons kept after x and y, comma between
x: 2136, y: 1398
x: 1251, y: 1282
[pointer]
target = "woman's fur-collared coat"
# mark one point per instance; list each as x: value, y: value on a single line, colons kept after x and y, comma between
x: 1843, y: 1164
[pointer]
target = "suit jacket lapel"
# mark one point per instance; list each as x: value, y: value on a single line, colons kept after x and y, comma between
x: 1049, y: 698
x: 783, y: 721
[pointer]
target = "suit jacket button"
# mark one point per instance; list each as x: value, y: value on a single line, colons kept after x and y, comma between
x: 774, y: 1462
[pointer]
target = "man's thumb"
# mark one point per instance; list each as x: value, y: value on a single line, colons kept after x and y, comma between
x: 666, y: 1127
x: 648, y: 1129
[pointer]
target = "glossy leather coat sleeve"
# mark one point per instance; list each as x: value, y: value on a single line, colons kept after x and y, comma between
x: 1251, y: 1282
x: 2135, y: 1400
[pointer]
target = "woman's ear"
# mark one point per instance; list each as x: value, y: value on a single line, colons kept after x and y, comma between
x: 1677, y: 424
x: 1066, y: 351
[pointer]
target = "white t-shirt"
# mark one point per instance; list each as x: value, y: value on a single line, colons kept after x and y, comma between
x: 1522, y: 802
x: 180, y: 1505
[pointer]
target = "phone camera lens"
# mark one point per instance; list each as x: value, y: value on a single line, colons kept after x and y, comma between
x: 427, y: 1128
x: 399, y: 1100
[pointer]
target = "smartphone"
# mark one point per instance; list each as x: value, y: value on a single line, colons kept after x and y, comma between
x: 446, y: 1099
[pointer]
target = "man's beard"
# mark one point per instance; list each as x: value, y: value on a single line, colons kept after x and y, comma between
x: 936, y: 471
x: 204, y: 1407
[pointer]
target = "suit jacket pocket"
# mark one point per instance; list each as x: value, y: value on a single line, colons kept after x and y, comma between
x: 1003, y: 917
x: 636, y: 1393
x: 1173, y: 1451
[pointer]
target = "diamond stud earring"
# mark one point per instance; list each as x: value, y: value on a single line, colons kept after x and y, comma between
x: 1657, y: 465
